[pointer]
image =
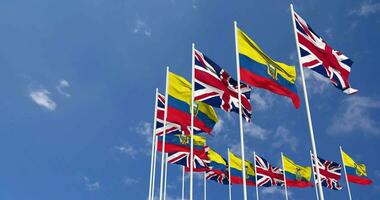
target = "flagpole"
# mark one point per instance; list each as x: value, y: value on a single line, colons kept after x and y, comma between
x: 183, y: 183
x: 204, y: 186
x: 240, y: 113
x: 154, y: 167
x: 283, y: 168
x: 153, y: 145
x: 312, y: 169
x: 257, y: 186
x: 166, y: 174
x: 314, y: 148
x: 345, y: 173
x: 164, y: 134
x: 192, y: 122
x: 229, y: 176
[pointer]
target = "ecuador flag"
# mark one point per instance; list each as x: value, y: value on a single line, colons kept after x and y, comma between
x: 259, y: 70
x: 179, y: 101
x: 356, y: 173
x: 296, y: 175
x: 236, y: 170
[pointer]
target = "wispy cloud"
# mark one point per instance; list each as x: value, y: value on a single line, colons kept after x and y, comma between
x: 355, y: 114
x: 366, y: 8
x: 274, y: 190
x: 41, y: 97
x: 283, y: 137
x: 218, y: 126
x: 145, y: 129
x: 255, y: 131
x: 141, y: 27
x: 130, y: 181
x: 316, y: 82
x: 262, y: 100
x: 127, y: 149
x: 91, y: 186
x: 61, y: 86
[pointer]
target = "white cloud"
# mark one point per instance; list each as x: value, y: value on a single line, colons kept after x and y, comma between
x: 141, y: 27
x: 355, y: 114
x: 145, y: 129
x: 274, y: 190
x: 130, y: 181
x: 315, y: 82
x: 41, y: 98
x: 61, y: 86
x: 366, y: 8
x: 255, y: 131
x: 91, y: 186
x: 127, y: 149
x: 218, y: 126
x: 262, y: 100
x: 283, y: 137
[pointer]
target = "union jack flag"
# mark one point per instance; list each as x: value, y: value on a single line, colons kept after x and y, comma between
x: 267, y: 175
x: 330, y: 173
x: 217, y: 176
x: 171, y: 128
x: 214, y: 86
x: 201, y: 159
x: 317, y: 55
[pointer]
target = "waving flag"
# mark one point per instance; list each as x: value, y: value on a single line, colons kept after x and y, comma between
x: 317, y: 55
x: 237, y: 171
x: 179, y: 142
x: 296, y: 175
x: 183, y: 158
x: 214, y: 86
x: 330, y: 173
x: 259, y: 70
x: 267, y: 175
x: 356, y: 172
x: 218, y: 169
x: 217, y: 176
x: 179, y: 112
x: 171, y: 128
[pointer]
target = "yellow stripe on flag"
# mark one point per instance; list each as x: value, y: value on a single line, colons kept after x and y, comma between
x: 215, y: 157
x: 361, y: 169
x: 236, y: 163
x: 293, y: 168
x: 250, y: 49
x: 180, y: 89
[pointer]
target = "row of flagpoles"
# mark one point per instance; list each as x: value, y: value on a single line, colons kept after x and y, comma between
x: 313, y: 53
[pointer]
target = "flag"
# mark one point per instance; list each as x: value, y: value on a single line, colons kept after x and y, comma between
x: 218, y: 168
x: 317, y: 55
x: 178, y: 148
x: 356, y: 172
x: 237, y: 171
x: 180, y: 142
x: 268, y: 175
x: 259, y: 70
x: 330, y: 173
x: 296, y: 175
x: 171, y: 128
x: 214, y: 86
x: 179, y: 101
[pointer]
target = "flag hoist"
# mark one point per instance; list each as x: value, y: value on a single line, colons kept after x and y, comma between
x: 240, y: 113
x: 163, y: 161
x: 314, y: 148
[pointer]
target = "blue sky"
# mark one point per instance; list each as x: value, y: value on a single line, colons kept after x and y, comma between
x: 78, y: 80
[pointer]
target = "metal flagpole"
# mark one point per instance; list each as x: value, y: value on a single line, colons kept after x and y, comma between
x: 312, y: 169
x: 164, y: 134
x: 166, y: 175
x: 257, y: 186
x: 154, y: 167
x: 314, y: 148
x: 153, y: 145
x: 192, y: 121
x: 283, y: 168
x: 229, y: 176
x: 240, y: 113
x: 204, y: 186
x: 183, y: 183
x: 345, y: 174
